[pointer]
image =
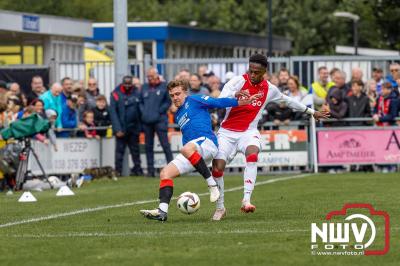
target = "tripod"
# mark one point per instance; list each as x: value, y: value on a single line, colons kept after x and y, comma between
x: 24, y: 155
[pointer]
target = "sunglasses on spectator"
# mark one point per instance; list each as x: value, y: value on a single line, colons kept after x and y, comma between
x: 394, y: 70
x: 92, y: 84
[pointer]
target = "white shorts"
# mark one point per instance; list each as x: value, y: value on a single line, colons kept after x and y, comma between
x: 231, y: 142
x: 205, y: 147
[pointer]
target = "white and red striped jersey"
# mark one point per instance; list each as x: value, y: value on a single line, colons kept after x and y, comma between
x: 242, y: 118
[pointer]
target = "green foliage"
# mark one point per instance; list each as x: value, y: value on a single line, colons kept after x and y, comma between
x: 308, y: 23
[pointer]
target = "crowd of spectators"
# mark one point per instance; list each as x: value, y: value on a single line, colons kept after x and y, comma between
x: 132, y: 107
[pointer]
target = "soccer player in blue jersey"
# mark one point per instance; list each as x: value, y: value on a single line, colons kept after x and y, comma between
x: 199, y: 142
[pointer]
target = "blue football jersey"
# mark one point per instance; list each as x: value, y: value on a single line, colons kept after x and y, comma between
x: 194, y: 119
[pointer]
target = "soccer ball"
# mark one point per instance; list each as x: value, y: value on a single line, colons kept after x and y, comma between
x: 188, y: 202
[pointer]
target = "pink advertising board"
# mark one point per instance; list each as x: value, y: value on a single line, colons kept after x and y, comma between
x: 381, y: 146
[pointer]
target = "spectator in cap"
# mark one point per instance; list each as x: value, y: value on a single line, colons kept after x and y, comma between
x: 125, y: 119
x: 377, y: 76
x: 69, y: 117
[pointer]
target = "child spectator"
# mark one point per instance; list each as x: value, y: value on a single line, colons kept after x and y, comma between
x: 337, y: 107
x: 358, y: 104
x: 386, y: 106
x: 82, y: 106
x: 101, y: 115
x: 88, y: 122
x: 371, y: 91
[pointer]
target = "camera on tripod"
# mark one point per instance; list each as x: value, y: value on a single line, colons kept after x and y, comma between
x: 22, y: 130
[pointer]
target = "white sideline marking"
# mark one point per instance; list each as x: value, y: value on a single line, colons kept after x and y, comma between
x: 141, y: 233
x: 105, y: 207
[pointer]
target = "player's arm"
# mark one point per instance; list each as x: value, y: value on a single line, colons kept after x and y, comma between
x: 210, y: 102
x: 276, y: 96
x: 232, y: 87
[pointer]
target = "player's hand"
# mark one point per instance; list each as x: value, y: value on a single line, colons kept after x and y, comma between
x: 244, y: 101
x: 321, y: 115
x: 242, y: 94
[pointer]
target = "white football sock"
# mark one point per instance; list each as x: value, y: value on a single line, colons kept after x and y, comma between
x: 163, y: 206
x: 249, y: 175
x: 211, y: 181
x: 220, y: 183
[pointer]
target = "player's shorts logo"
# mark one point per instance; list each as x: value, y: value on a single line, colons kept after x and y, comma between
x: 356, y: 229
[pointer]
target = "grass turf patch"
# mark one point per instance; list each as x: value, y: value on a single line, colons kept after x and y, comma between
x: 278, y: 233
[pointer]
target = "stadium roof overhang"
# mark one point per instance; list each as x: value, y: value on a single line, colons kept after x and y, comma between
x: 163, y: 31
x: 30, y: 24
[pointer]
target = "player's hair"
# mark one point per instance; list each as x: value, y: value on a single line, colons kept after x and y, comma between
x: 178, y: 83
x: 322, y: 68
x: 259, y: 59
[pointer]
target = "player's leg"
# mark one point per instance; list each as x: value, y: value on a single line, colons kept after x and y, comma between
x: 192, y: 152
x: 218, y: 167
x: 166, y: 190
x: 226, y: 148
x: 250, y: 146
x: 250, y: 176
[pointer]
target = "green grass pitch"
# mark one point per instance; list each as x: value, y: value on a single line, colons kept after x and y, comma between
x: 101, y: 224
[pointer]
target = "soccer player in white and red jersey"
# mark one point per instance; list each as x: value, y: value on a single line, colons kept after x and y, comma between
x: 238, y: 131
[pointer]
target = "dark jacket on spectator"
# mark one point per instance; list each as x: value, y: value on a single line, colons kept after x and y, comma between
x: 124, y: 109
x: 68, y: 120
x: 102, y: 119
x: 154, y: 103
x: 339, y: 109
x: 358, y: 107
x: 31, y: 96
x: 387, y: 109
x: 276, y: 111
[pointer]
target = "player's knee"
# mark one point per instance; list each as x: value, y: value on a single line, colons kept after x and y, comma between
x: 252, y: 158
x: 164, y: 175
x: 217, y: 173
